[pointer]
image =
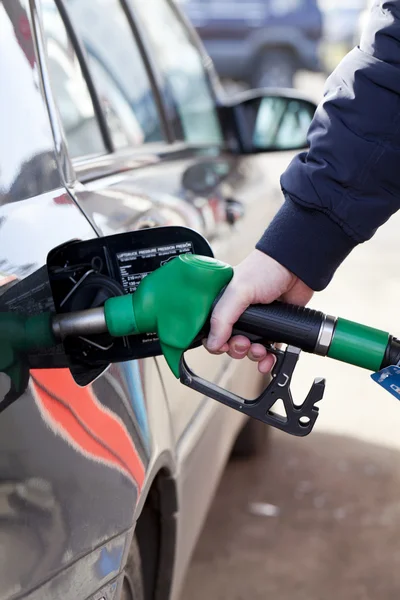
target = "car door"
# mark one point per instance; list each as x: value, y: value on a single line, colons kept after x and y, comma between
x: 73, y: 460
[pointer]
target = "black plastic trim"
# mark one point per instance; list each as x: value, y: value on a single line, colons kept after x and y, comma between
x: 81, y: 54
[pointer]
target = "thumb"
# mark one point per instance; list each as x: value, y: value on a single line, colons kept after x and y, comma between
x: 224, y: 316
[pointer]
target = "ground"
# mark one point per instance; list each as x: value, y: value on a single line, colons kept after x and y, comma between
x: 328, y: 524
x: 331, y: 530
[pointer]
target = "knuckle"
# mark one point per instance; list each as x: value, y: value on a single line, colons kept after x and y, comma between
x: 215, y: 320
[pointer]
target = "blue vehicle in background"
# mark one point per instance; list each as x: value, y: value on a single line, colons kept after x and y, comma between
x: 262, y: 43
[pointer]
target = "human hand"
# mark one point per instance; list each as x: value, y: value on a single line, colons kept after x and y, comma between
x: 259, y: 279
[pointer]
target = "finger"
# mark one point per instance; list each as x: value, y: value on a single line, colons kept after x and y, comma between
x: 239, y: 343
x: 225, y: 315
x: 222, y: 350
x: 267, y: 364
x: 239, y: 346
x: 257, y: 352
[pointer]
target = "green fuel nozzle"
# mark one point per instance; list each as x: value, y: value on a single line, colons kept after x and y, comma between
x: 175, y: 302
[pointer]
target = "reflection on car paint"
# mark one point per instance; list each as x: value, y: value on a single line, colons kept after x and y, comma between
x: 30, y: 168
x: 133, y: 380
x: 38, y: 215
x: 77, y: 416
x: 24, y: 502
x: 110, y: 560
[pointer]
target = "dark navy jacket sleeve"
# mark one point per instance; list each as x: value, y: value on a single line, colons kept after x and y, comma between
x: 348, y: 183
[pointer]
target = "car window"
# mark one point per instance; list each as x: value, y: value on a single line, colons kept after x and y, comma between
x: 182, y: 66
x: 117, y: 70
x: 69, y: 87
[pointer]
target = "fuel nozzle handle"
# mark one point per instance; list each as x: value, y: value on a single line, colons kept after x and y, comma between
x: 304, y: 328
x: 318, y: 333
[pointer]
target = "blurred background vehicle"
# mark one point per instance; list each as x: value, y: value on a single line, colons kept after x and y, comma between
x: 259, y: 42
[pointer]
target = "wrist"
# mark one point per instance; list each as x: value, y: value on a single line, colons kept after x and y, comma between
x: 275, y: 268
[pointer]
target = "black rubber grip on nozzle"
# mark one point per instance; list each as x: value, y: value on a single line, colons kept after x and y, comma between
x: 282, y: 323
x: 392, y: 354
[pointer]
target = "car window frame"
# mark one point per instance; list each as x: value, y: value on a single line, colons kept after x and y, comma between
x: 80, y: 55
x: 211, y: 78
x: 153, y: 83
x: 88, y: 168
x: 112, y: 153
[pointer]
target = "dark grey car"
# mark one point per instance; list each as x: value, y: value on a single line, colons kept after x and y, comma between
x: 259, y: 42
x: 110, y: 121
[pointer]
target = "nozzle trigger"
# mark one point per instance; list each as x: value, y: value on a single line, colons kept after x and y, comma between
x: 299, y: 420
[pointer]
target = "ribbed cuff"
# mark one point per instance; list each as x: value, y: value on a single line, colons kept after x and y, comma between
x: 306, y: 242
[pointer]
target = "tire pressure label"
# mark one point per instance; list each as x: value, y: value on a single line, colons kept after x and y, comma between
x: 136, y: 264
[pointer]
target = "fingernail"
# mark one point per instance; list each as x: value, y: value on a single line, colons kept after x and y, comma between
x: 241, y: 349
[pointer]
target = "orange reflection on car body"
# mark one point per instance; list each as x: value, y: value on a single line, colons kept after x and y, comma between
x: 77, y: 415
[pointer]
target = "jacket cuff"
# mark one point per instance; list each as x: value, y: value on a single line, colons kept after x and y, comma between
x: 306, y: 242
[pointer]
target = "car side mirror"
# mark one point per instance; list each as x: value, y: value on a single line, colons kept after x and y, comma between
x: 268, y: 120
